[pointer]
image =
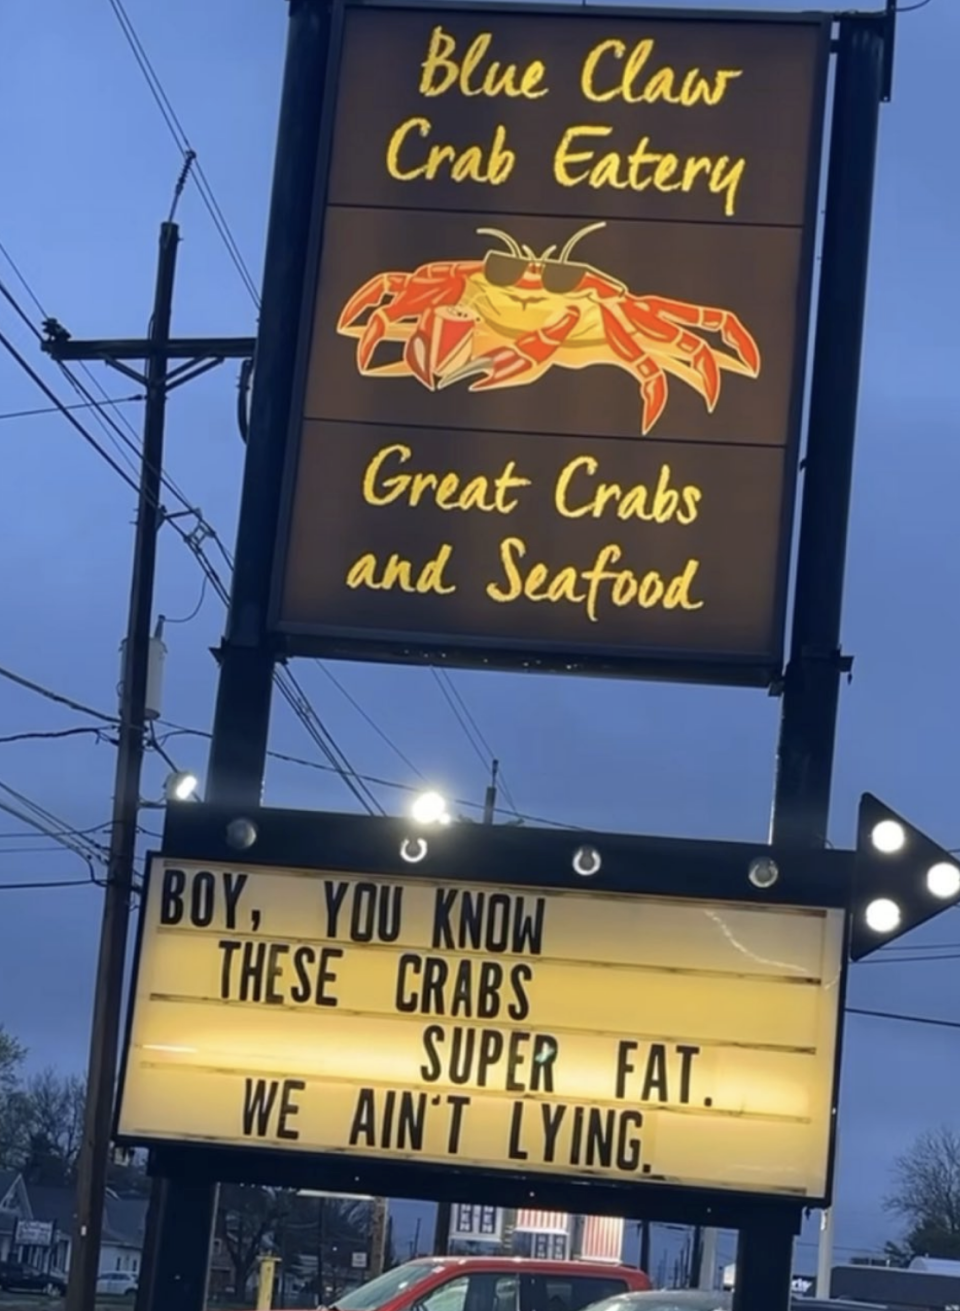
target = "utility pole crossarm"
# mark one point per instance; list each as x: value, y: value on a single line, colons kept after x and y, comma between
x: 65, y: 349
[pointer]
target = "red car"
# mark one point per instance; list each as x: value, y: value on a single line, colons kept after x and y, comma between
x: 492, y: 1283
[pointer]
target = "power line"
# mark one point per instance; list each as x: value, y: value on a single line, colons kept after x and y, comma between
x: 80, y: 405
x: 58, y: 732
x: 472, y: 731
x: 176, y: 729
x: 57, y: 697
x: 127, y: 444
x: 370, y: 720
x: 289, y: 688
x: 182, y: 142
x: 48, y: 883
x: 285, y: 681
x: 906, y: 1019
x: 84, y: 433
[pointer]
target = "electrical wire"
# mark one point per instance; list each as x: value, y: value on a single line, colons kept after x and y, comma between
x: 47, y: 883
x: 284, y: 680
x: 370, y: 720
x: 80, y: 405
x: 57, y: 697
x: 84, y: 433
x: 58, y: 732
x: 290, y: 690
x: 906, y: 1019
x: 472, y: 731
x: 126, y: 443
x: 196, y: 609
x: 174, y: 730
x: 182, y: 141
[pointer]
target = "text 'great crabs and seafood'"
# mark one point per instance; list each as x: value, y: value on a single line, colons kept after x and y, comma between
x: 552, y: 394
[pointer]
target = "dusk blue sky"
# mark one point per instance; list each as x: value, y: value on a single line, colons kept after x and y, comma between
x: 89, y: 169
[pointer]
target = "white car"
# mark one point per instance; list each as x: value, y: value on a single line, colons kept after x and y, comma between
x: 117, y: 1283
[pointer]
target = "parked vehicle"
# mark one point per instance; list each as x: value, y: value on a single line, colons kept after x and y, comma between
x: 117, y: 1283
x: 16, y: 1277
x: 702, y: 1299
x: 492, y: 1283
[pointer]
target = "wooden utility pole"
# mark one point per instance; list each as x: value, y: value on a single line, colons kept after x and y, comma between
x: 158, y: 349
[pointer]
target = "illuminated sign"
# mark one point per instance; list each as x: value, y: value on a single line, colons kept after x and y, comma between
x: 605, y: 1036
x: 557, y: 330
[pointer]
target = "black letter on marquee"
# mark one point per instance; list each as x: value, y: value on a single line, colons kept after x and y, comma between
x: 171, y: 896
x: 288, y: 1108
x: 514, y: 1151
x: 686, y: 1055
x: 227, y: 947
x: 442, y: 906
x: 624, y: 1067
x: 456, y: 1119
x: 364, y: 1120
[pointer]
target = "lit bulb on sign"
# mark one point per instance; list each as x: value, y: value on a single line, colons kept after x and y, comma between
x: 883, y: 915
x: 943, y: 879
x: 888, y: 836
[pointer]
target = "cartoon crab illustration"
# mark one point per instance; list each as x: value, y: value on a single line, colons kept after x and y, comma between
x: 513, y: 315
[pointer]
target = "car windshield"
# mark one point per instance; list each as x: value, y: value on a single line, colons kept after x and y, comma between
x: 666, y: 1300
x: 378, y: 1291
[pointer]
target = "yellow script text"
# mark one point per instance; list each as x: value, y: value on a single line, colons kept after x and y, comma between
x: 441, y: 71
x: 643, y: 168
x: 448, y: 491
x: 657, y: 505
x: 399, y: 573
x: 582, y: 586
x: 470, y: 164
x: 666, y: 84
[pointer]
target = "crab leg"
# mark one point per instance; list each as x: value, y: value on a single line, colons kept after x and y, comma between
x: 431, y: 286
x: 731, y: 330
x: 528, y: 357
x: 653, y: 382
x: 661, y: 332
x: 371, y: 293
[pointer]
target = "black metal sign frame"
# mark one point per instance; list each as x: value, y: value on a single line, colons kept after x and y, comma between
x: 683, y: 869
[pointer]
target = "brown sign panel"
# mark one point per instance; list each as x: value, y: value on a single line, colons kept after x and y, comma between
x: 555, y: 341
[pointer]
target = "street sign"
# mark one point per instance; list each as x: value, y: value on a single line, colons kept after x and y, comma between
x: 554, y: 341
x: 597, y: 1035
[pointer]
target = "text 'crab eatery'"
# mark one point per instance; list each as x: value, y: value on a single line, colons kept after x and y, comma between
x: 610, y: 71
x: 478, y: 1025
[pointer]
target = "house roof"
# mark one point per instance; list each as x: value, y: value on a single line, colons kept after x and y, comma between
x: 56, y: 1204
x: 7, y: 1179
x: 124, y: 1218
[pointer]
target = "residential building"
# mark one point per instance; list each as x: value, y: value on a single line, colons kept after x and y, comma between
x: 124, y: 1219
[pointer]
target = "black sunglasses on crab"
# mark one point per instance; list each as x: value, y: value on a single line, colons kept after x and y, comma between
x: 503, y: 270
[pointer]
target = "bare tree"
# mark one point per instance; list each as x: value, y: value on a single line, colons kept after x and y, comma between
x: 53, y: 1107
x: 13, y: 1134
x: 926, y: 1194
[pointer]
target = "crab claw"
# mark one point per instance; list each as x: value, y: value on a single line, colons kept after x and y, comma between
x: 500, y: 366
